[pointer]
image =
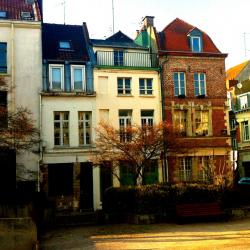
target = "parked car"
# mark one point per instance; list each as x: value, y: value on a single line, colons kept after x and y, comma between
x: 244, y: 181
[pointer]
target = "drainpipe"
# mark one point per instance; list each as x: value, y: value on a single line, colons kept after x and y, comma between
x: 13, y: 101
x: 40, y: 144
x: 165, y: 162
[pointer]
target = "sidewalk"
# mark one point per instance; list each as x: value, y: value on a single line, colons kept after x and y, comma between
x: 212, y: 235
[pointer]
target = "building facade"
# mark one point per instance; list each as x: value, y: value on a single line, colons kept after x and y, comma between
x: 21, y: 73
x: 195, y: 102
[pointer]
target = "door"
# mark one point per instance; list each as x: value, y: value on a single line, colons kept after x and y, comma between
x: 86, y: 186
x: 106, y: 178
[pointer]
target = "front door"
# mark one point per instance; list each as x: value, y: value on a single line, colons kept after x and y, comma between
x: 86, y: 186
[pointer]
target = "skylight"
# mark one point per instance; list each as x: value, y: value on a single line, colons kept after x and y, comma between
x: 25, y: 15
x: 64, y: 45
x: 3, y: 14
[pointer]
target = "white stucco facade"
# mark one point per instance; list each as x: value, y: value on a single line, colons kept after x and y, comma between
x: 23, y: 80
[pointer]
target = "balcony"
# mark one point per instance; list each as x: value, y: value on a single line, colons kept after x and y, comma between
x: 126, y: 59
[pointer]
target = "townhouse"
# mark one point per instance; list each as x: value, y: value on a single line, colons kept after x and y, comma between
x: 68, y: 107
x: 195, y: 100
x: 126, y: 77
x: 239, y: 115
x: 20, y: 73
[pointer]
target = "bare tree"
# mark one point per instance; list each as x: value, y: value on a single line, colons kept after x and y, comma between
x: 17, y: 130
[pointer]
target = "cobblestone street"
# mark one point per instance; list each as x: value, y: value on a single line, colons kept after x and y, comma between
x: 211, y: 235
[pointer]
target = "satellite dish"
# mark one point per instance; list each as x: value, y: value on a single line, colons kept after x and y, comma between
x: 239, y: 85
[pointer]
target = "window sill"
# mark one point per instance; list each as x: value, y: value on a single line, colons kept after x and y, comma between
x: 125, y: 95
x: 63, y: 93
x: 148, y: 96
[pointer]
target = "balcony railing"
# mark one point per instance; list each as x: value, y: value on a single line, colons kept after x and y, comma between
x: 127, y: 59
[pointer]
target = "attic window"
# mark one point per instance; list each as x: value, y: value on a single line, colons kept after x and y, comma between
x: 195, y: 43
x: 65, y: 45
x: 26, y: 15
x: 3, y: 14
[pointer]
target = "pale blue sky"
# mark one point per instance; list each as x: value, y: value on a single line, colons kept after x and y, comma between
x: 225, y: 21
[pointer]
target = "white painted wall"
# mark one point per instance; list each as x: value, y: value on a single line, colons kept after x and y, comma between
x: 24, y: 77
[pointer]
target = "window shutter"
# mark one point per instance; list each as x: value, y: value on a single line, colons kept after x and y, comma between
x: 67, y: 79
x: 89, y: 78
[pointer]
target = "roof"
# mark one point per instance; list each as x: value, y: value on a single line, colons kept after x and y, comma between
x: 234, y: 72
x: 15, y: 7
x: 52, y: 34
x: 174, y: 38
x: 118, y: 40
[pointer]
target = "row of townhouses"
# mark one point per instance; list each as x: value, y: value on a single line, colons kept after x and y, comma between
x: 71, y: 83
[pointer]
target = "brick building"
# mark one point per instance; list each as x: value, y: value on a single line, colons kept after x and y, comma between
x: 195, y: 101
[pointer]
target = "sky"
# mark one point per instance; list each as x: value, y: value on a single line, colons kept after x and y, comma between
x: 227, y: 22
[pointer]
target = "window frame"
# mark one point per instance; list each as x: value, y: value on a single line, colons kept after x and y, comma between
x: 149, y: 119
x: 118, y: 57
x: 72, y: 68
x: 185, y: 169
x: 245, y: 131
x: 85, y: 128
x: 51, y: 67
x: 198, y: 82
x: 192, y: 38
x: 243, y: 105
x: 3, y: 14
x: 124, y: 89
x: 3, y: 53
x: 62, y: 122
x: 180, y: 119
x: 64, y: 48
x: 201, y: 122
x: 179, y: 82
x: 144, y: 88
x: 127, y: 122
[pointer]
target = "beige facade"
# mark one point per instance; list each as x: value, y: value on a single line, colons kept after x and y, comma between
x: 23, y: 80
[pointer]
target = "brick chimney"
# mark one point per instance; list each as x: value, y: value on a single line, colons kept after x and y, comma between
x: 148, y: 21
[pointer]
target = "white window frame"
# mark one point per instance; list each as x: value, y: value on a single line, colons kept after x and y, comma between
x: 201, y: 123
x: 180, y: 121
x: 245, y: 131
x: 243, y: 101
x: 61, y: 66
x: 82, y: 67
x: 192, y: 43
x: 147, y: 120
x: 127, y: 121
x: 186, y: 169
x: 124, y: 89
x: 61, y: 121
x: 84, y: 123
x: 145, y: 89
x: 179, y: 83
x: 199, y: 83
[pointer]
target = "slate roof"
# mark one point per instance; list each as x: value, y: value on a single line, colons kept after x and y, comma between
x: 234, y: 72
x: 174, y: 38
x: 15, y: 7
x: 118, y: 40
x: 53, y: 33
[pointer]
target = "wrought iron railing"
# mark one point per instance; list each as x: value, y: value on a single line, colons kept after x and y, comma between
x: 127, y: 59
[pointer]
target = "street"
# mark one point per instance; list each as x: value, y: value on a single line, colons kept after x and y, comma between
x: 206, y: 235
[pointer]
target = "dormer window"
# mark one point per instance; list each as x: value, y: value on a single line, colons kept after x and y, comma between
x: 195, y: 43
x: 3, y: 14
x: 65, y: 45
x: 26, y: 15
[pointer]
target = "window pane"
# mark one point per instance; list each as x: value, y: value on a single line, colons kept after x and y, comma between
x: 196, y: 44
x: 64, y: 45
x: 56, y: 78
x: 78, y: 78
x: 3, y: 57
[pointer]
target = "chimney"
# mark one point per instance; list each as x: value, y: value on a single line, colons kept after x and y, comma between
x: 148, y: 21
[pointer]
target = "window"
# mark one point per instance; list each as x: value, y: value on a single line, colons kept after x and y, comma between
x: 125, y: 117
x: 118, y: 57
x: 124, y: 86
x: 185, y: 169
x: 3, y: 14
x: 243, y: 101
x: 61, y: 128
x: 56, y: 77
x: 3, y: 109
x: 146, y: 87
x: 195, y: 43
x: 3, y: 57
x: 201, y: 123
x: 179, y: 84
x: 200, y: 84
x: 150, y: 173
x: 126, y: 173
x: 147, y: 117
x: 84, y: 119
x: 65, y: 45
x: 78, y: 78
x: 26, y: 15
x: 245, y: 131
x: 204, y: 168
x: 180, y: 122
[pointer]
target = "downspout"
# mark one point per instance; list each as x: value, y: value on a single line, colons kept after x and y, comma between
x: 165, y: 162
x: 13, y: 100
x: 40, y: 144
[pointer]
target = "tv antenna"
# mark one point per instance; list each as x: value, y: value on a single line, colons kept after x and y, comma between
x: 113, y: 17
x: 245, y: 43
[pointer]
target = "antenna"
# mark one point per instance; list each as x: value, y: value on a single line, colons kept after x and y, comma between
x: 245, y: 43
x: 113, y: 16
